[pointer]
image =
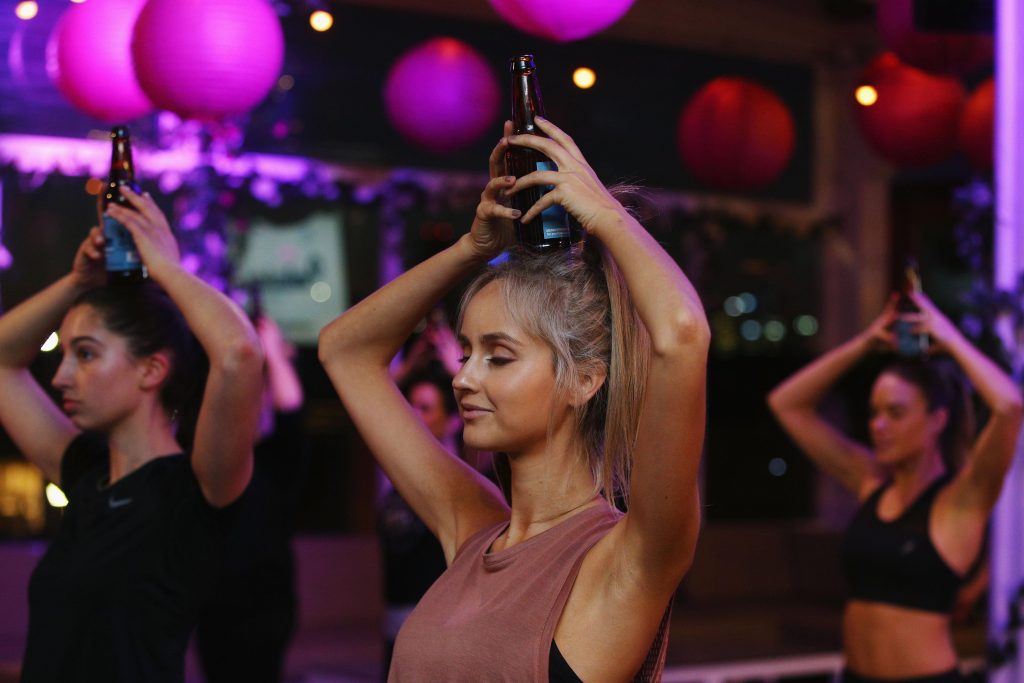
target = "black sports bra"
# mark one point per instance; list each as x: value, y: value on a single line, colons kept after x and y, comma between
x: 559, y: 670
x: 895, y: 561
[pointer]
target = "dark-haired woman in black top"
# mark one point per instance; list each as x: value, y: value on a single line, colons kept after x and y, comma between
x: 117, y: 593
x: 926, y: 483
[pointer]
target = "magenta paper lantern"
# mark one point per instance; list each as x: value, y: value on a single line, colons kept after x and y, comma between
x: 917, y: 116
x: 735, y: 134
x: 89, y: 59
x: 442, y: 95
x: 944, y: 53
x: 206, y: 59
x: 561, y: 20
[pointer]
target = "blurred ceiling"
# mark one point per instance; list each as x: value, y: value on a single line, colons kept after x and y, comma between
x: 830, y: 31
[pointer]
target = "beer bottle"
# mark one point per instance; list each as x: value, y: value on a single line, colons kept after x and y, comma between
x: 123, y: 262
x: 909, y: 343
x: 553, y: 228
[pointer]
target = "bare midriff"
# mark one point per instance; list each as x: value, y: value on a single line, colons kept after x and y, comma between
x: 887, y: 641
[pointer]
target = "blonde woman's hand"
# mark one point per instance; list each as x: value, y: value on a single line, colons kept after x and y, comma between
x: 89, y: 267
x: 492, y: 229
x: 574, y: 185
x: 148, y: 227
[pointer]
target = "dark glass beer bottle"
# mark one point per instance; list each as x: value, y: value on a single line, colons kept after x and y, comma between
x: 554, y: 228
x: 123, y: 262
x: 909, y: 343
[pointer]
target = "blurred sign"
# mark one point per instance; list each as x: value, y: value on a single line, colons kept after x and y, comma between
x: 299, y: 271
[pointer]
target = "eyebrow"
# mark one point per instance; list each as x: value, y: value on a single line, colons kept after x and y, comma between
x: 492, y: 338
x: 85, y: 338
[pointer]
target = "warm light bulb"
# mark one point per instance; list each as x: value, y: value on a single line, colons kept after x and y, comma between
x: 26, y: 10
x: 866, y: 95
x: 584, y: 78
x: 51, y: 342
x: 321, y: 20
x: 56, y: 497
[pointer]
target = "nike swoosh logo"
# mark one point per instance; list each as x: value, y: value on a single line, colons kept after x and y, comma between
x: 118, y: 503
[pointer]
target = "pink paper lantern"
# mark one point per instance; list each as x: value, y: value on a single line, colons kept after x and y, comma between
x: 735, y: 134
x: 441, y: 95
x: 944, y: 53
x: 89, y: 59
x: 206, y: 59
x: 561, y: 20
x: 977, y: 126
x: 917, y: 115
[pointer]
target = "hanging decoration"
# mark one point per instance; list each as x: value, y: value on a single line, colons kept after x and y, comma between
x: 915, y: 119
x: 88, y: 57
x: 977, y: 126
x: 441, y: 95
x: 735, y: 134
x: 561, y: 21
x: 207, y: 59
x: 944, y: 53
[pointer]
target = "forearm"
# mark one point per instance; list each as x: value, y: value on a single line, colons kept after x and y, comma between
x: 996, y: 388
x: 285, y: 387
x: 808, y: 386
x: 25, y: 327
x: 373, y: 330
x: 667, y: 302
x: 219, y: 325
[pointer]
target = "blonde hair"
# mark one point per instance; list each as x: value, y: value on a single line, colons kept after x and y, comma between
x: 576, y: 301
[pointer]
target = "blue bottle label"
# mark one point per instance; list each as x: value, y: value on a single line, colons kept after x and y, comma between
x: 120, y: 250
x: 554, y: 221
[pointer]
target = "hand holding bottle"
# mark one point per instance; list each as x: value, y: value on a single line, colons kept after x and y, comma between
x: 575, y: 185
x: 148, y: 227
x: 88, y: 270
x: 492, y: 226
x: 931, y: 322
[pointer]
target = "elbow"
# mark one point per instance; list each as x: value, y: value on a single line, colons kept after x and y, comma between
x: 330, y: 342
x: 688, y: 332
x: 243, y: 357
x: 1011, y: 407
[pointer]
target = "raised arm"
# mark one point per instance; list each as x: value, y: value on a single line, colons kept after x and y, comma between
x: 228, y: 416
x: 659, y: 533
x: 981, y: 479
x: 282, y: 380
x: 36, y: 425
x: 795, y: 405
x: 451, y: 498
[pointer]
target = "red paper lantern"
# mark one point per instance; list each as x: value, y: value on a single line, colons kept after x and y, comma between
x: 977, y: 126
x: 914, y: 122
x: 735, y: 135
x: 946, y: 53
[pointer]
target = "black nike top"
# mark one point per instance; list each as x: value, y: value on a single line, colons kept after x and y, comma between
x: 116, y: 595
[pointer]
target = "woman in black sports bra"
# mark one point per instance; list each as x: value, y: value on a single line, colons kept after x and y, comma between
x: 921, y: 525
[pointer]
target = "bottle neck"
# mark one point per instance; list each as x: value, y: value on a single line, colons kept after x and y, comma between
x: 121, y: 167
x: 526, y: 102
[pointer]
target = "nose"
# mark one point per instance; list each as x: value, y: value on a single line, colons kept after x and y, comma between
x: 60, y: 379
x: 464, y: 380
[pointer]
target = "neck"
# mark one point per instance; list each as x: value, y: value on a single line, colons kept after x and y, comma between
x: 912, y: 477
x: 145, y: 435
x: 548, y: 486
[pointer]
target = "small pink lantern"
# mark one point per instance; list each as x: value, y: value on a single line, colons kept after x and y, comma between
x: 735, y: 134
x: 915, y: 119
x: 977, y: 126
x: 442, y: 95
x: 561, y: 20
x: 89, y: 59
x: 944, y: 53
x: 206, y: 59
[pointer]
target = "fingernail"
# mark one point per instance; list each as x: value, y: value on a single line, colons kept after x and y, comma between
x: 510, y: 179
x: 539, y: 118
x: 516, y: 213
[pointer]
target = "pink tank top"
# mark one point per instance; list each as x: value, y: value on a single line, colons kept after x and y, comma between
x: 492, y: 615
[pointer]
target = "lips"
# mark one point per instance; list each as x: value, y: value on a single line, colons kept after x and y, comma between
x: 471, y: 411
x: 69, y: 405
